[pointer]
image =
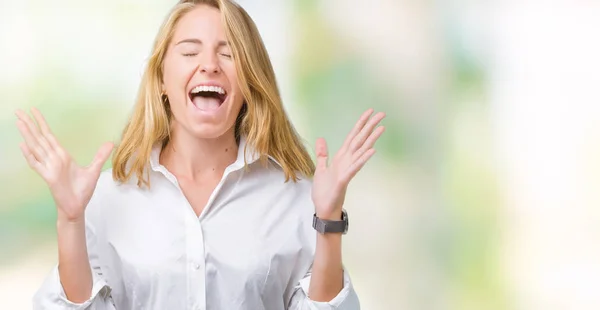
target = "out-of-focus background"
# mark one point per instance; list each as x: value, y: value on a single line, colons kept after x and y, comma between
x: 484, y: 193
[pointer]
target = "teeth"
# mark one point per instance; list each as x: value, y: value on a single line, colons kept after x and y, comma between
x: 204, y: 88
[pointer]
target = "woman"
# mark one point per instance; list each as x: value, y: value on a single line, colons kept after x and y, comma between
x: 209, y: 204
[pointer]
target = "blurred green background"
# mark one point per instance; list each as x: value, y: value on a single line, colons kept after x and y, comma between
x: 483, y: 193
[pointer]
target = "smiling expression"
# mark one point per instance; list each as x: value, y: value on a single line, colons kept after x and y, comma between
x: 199, y: 75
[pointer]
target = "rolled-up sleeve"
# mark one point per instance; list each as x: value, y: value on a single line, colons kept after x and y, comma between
x: 52, y: 296
x: 346, y: 299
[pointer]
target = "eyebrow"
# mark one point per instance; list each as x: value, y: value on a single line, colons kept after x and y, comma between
x: 196, y: 41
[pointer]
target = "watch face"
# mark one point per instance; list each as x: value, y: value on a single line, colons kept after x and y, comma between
x: 345, y: 219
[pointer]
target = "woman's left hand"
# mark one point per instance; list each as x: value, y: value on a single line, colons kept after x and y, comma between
x: 331, y: 181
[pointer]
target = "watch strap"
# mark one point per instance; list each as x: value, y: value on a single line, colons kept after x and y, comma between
x: 328, y: 226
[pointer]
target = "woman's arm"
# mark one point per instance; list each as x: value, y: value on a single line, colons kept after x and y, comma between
x: 328, y: 193
x: 72, y: 187
x: 77, y: 282
x: 73, y: 264
x: 327, y: 278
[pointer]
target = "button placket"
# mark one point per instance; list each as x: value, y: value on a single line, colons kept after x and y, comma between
x: 195, y: 250
x: 195, y: 260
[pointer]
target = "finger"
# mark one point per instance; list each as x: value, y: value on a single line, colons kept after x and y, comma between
x: 101, y: 156
x: 31, y: 141
x: 34, y: 130
x: 40, y: 120
x: 357, y: 165
x: 369, y: 143
x: 366, y: 131
x: 30, y: 158
x: 357, y: 127
x: 322, y: 154
x: 45, y: 129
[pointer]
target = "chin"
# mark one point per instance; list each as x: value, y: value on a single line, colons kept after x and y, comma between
x: 208, y: 131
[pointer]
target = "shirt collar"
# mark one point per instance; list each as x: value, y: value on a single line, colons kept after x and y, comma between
x: 252, y: 156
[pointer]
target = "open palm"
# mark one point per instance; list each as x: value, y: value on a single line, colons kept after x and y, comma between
x: 71, y: 185
x: 331, y: 180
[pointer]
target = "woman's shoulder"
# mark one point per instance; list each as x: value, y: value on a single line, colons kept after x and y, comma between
x: 106, y: 183
x: 298, y: 193
x: 100, y: 198
x: 107, y: 189
x: 276, y: 178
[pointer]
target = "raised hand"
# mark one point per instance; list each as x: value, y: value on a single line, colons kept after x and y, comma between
x: 331, y: 181
x: 71, y: 185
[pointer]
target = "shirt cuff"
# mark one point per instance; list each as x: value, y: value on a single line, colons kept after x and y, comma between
x: 52, y: 295
x: 345, y: 299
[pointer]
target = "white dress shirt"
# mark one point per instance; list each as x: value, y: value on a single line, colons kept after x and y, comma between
x: 251, y: 248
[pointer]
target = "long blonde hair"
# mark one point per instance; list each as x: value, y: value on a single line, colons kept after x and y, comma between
x: 262, y: 119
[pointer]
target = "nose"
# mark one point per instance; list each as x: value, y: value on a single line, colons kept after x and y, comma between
x: 209, y: 64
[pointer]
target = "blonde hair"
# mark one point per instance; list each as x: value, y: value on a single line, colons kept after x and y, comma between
x: 262, y: 119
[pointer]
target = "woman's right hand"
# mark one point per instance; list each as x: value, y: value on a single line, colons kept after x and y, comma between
x: 70, y: 184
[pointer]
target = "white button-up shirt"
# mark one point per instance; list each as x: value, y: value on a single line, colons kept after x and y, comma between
x: 251, y: 248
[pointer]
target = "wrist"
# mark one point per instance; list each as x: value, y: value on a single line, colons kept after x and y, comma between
x: 64, y: 220
x: 331, y: 223
x: 334, y: 215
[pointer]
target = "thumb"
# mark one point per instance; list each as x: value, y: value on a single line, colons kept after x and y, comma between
x: 321, y: 149
x: 101, y: 156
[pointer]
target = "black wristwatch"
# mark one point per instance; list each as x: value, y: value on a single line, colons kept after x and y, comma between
x: 327, y: 226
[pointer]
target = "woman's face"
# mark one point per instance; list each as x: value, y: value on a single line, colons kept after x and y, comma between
x: 200, y: 79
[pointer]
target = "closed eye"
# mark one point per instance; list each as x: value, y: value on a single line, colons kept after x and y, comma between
x: 226, y: 55
x: 190, y: 54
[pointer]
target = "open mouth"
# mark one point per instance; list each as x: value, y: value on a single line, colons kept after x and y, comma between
x: 208, y: 98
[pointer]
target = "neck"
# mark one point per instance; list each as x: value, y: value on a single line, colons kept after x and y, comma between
x: 196, y: 159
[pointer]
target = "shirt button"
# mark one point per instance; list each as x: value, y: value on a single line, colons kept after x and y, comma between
x: 197, y: 266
